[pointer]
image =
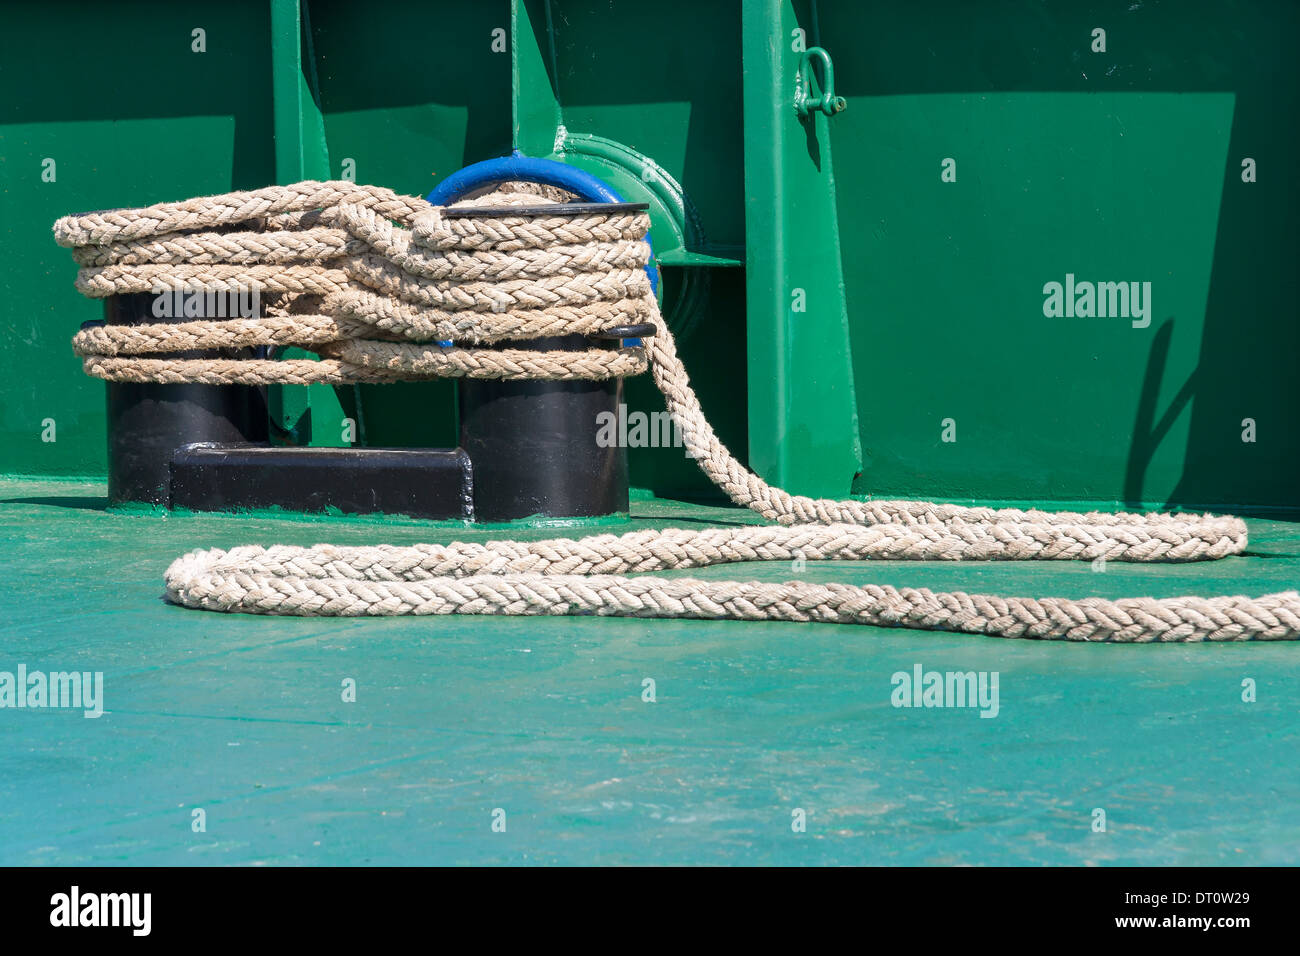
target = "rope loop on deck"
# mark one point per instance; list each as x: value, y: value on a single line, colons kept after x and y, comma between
x: 371, y: 281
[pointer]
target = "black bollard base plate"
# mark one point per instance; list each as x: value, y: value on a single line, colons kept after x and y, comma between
x: 432, y: 483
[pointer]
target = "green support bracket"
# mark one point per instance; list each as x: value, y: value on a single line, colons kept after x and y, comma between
x: 803, y: 422
x: 300, y: 153
x: 536, y: 108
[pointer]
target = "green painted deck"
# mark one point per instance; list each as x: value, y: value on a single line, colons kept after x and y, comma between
x: 243, y: 717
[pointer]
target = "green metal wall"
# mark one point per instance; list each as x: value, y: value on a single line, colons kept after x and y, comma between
x: 1116, y: 165
x: 129, y: 115
x: 837, y: 300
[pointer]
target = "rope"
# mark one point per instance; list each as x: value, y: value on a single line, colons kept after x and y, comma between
x: 366, y: 278
x: 371, y: 299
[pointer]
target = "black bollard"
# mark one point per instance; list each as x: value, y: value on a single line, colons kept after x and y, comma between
x: 148, y: 421
x: 533, y: 444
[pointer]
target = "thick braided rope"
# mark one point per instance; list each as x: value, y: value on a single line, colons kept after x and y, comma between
x: 372, y: 299
x: 200, y: 580
x: 494, y: 279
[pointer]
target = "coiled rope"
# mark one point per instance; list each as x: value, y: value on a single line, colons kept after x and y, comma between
x: 371, y: 280
x: 369, y: 298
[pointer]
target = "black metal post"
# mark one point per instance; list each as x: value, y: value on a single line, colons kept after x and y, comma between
x: 534, y: 445
x: 147, y: 421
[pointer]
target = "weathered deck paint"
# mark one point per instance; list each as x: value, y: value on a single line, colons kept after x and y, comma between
x: 242, y: 716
